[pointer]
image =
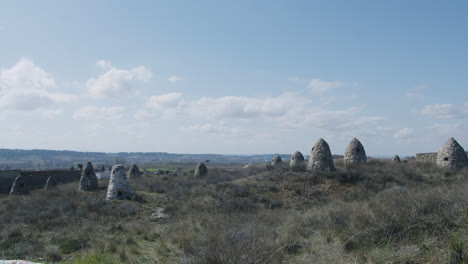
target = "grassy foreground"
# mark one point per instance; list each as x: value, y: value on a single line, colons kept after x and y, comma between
x: 374, y: 213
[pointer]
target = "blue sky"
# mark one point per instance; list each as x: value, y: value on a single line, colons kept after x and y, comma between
x: 233, y: 76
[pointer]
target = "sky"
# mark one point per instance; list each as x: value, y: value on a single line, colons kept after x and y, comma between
x: 233, y: 77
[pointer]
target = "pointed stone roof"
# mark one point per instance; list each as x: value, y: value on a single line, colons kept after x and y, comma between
x: 19, y: 186
x: 452, y: 155
x: 134, y: 172
x: 200, y: 170
x: 50, y: 183
x: 118, y: 188
x: 297, y: 160
x: 88, y: 180
x: 355, y: 153
x: 321, y: 158
x: 396, y: 159
x: 277, y: 162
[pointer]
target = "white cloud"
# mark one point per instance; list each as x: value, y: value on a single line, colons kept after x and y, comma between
x: 165, y: 101
x: 212, y: 129
x: 318, y: 86
x: 117, y: 83
x: 445, y: 111
x: 95, y: 113
x: 174, y: 79
x: 404, y: 132
x: 26, y: 87
x: 104, y: 64
x: 416, y: 93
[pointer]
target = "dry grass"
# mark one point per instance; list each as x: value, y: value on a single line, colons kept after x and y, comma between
x: 374, y: 213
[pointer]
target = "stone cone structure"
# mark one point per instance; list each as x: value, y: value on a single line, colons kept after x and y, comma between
x: 277, y: 162
x: 200, y: 170
x: 355, y: 153
x: 396, y: 159
x: 19, y: 186
x: 297, y: 161
x: 118, y: 188
x: 88, y: 180
x: 51, y: 183
x: 451, y: 155
x: 134, y: 172
x: 321, y: 158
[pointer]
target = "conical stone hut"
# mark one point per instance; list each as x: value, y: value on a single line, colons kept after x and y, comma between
x: 19, y: 187
x: 396, y: 159
x: 355, y: 153
x: 297, y: 161
x: 51, y: 183
x: 200, y: 170
x: 134, y: 172
x: 321, y: 158
x: 118, y: 188
x: 88, y: 180
x: 277, y: 162
x: 452, y: 155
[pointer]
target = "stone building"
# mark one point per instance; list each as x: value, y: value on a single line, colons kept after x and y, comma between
x: 118, y: 188
x: 19, y: 186
x: 200, y: 170
x: 277, y: 162
x: 396, y: 159
x: 297, y: 161
x: 452, y: 155
x: 355, y: 153
x: 88, y: 180
x: 134, y: 172
x: 321, y: 158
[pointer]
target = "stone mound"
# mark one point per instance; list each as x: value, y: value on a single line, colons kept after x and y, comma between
x: 19, y: 187
x: 321, y: 158
x: 277, y: 162
x: 396, y: 159
x: 51, y: 183
x: 118, y: 188
x: 297, y: 160
x: 451, y: 155
x: 200, y: 170
x: 134, y: 172
x: 88, y: 180
x: 355, y: 153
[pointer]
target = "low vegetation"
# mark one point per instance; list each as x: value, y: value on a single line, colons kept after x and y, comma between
x: 374, y: 213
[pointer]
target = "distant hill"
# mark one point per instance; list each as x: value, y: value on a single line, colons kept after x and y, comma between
x: 41, y: 159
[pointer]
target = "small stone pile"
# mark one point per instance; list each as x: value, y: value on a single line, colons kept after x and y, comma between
x: 51, y: 183
x: 297, y: 161
x: 88, y: 180
x: 321, y: 158
x: 452, y: 155
x: 19, y: 187
x: 277, y: 162
x: 134, y: 172
x: 355, y: 153
x: 200, y: 170
x: 396, y: 159
x: 118, y: 188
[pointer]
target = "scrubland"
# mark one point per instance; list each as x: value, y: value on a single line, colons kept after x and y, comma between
x: 374, y: 213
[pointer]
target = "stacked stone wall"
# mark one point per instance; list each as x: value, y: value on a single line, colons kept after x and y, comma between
x: 36, y: 179
x: 430, y: 157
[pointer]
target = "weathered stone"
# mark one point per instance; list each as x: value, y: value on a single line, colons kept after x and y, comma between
x: 118, y: 188
x: 159, y: 214
x: 88, y: 181
x: 51, y: 183
x: 297, y: 161
x: 277, y: 162
x: 134, y: 172
x: 19, y: 186
x: 200, y: 170
x: 355, y: 153
x: 396, y: 159
x: 321, y: 158
x: 452, y: 155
